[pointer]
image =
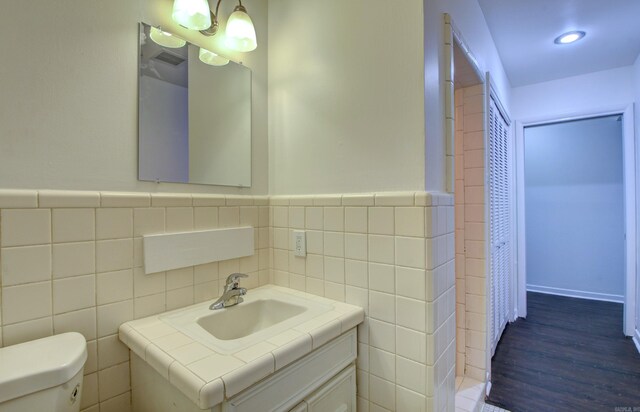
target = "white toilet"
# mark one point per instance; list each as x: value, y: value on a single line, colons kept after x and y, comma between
x: 43, y: 375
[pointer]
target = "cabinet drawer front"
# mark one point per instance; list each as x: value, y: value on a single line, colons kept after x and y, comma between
x: 286, y: 388
x: 302, y: 407
x: 337, y: 395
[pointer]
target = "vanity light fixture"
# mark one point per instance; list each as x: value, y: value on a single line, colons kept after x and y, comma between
x: 166, y: 39
x: 192, y: 14
x: 569, y: 37
x: 211, y: 58
x: 240, y: 32
x: 241, y: 35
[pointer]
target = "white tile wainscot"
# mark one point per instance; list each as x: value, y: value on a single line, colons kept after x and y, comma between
x: 81, y: 268
x: 393, y: 254
x: 207, y: 378
x: 73, y: 261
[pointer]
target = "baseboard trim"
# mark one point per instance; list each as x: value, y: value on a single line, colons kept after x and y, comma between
x: 636, y: 339
x: 575, y: 293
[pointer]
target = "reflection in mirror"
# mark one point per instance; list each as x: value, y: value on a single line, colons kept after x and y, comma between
x: 194, y: 121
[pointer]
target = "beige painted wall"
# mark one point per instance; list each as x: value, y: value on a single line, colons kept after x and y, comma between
x: 68, y: 115
x: 345, y: 96
x: 347, y: 99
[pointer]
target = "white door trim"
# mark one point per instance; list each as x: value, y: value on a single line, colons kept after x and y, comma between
x: 521, y: 256
x: 630, y: 210
x: 630, y: 173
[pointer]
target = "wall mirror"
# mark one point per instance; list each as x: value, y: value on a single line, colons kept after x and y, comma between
x: 194, y: 121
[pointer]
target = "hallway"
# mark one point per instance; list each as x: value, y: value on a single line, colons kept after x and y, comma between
x: 569, y: 354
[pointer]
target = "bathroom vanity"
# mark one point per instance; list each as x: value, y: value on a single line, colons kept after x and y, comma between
x: 279, y: 350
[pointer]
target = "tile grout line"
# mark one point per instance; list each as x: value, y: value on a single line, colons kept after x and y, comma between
x: 50, y: 262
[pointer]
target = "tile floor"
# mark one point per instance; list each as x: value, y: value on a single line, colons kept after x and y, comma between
x: 470, y: 396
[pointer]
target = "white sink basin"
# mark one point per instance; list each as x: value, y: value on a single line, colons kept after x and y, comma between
x: 263, y: 314
x: 247, y: 318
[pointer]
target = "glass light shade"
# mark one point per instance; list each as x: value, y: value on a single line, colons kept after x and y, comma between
x: 240, y: 33
x: 166, y: 39
x: 211, y: 58
x: 192, y: 14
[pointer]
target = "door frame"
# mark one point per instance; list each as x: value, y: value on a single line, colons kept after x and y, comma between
x: 630, y: 171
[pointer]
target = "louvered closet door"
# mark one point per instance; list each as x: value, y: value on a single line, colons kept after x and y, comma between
x: 500, y: 264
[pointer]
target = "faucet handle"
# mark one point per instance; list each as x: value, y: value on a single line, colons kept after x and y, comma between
x: 235, y: 277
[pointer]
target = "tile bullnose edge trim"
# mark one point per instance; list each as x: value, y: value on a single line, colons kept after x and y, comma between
x: 211, y: 394
x: 424, y: 199
x: 171, y: 199
x: 239, y: 200
x: 395, y: 198
x: 68, y: 198
x: 261, y: 200
x: 279, y: 200
x: 18, y: 199
x: 125, y: 199
x: 327, y: 200
x: 300, y: 200
x: 248, y: 374
x: 51, y: 198
x: 186, y: 381
x: 134, y: 340
x: 358, y: 199
x: 208, y: 200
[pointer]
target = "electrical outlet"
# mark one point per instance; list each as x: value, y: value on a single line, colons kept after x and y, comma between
x: 299, y: 243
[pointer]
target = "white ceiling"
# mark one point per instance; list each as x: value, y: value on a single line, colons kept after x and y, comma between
x: 524, y: 30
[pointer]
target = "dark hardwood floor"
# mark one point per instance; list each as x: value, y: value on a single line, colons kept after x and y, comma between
x: 567, y: 355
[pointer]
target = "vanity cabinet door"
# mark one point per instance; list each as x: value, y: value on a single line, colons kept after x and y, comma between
x: 337, y: 395
x: 301, y: 407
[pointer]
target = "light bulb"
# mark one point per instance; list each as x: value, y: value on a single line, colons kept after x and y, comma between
x: 166, y: 39
x: 211, y: 58
x: 569, y: 37
x: 240, y: 33
x: 192, y: 14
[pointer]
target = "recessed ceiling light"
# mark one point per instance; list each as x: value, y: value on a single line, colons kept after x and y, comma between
x: 569, y: 37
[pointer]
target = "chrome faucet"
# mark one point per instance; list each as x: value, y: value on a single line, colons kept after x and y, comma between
x: 232, y: 292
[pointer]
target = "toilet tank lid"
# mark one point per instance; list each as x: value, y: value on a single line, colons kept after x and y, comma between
x: 40, y: 364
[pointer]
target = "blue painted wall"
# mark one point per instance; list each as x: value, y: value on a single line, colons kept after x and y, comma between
x: 574, y: 206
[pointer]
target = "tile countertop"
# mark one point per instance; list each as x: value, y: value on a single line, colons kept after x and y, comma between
x: 207, y: 377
